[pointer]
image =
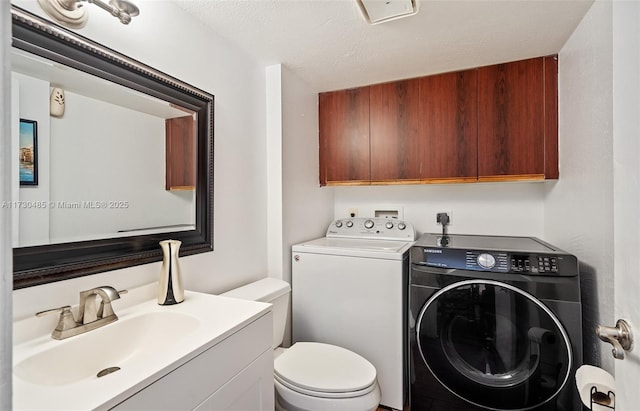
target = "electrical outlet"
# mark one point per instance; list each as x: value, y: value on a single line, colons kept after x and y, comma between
x: 352, y: 212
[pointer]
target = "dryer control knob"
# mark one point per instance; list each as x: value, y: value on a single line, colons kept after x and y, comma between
x: 338, y: 223
x: 486, y: 260
x: 402, y: 226
x: 368, y: 224
x: 349, y: 223
x: 389, y: 225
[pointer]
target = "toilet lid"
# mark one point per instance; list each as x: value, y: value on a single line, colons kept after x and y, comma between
x: 324, y: 368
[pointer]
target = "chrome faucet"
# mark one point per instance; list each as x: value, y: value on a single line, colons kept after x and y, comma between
x: 90, y: 316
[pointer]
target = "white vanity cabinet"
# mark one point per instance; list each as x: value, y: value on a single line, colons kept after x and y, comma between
x: 234, y: 374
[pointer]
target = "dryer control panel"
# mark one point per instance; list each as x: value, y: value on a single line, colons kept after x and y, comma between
x: 531, y: 262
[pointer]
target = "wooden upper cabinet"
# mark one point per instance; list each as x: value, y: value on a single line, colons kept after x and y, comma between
x: 180, y: 154
x: 517, y: 120
x: 344, y: 136
x: 448, y: 126
x: 492, y: 123
x: 396, y: 144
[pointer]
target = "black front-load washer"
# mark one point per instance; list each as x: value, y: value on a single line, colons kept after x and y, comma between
x: 494, y: 324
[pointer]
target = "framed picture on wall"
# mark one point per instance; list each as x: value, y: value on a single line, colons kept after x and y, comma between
x: 28, y: 152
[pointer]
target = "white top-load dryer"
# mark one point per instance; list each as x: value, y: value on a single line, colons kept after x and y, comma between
x: 349, y: 289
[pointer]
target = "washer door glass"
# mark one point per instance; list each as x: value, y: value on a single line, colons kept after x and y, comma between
x: 494, y: 345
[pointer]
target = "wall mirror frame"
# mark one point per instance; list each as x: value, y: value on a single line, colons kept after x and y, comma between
x: 36, y: 265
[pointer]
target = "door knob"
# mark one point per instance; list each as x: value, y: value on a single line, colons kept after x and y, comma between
x: 619, y: 336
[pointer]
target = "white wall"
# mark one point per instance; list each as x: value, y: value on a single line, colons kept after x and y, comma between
x: 476, y: 208
x: 83, y: 146
x: 626, y: 144
x: 33, y: 102
x: 275, y: 242
x: 307, y: 208
x: 114, y: 156
x: 6, y: 255
x: 198, y: 56
x: 579, y: 208
x: 299, y: 209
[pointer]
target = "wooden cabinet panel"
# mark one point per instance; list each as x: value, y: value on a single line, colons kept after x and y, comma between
x: 344, y: 136
x: 511, y: 129
x: 448, y: 126
x: 551, y: 170
x: 180, y: 154
x: 395, y: 141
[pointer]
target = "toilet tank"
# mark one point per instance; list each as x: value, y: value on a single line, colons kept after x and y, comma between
x: 268, y: 290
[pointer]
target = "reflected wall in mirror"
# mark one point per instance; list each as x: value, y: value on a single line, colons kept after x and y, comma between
x: 128, y: 163
x: 107, y: 158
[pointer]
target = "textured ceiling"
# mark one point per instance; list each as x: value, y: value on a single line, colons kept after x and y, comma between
x: 329, y: 45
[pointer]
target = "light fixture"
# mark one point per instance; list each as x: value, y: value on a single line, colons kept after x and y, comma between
x: 379, y: 11
x: 72, y: 13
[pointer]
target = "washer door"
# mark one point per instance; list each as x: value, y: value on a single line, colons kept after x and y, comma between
x: 494, y: 345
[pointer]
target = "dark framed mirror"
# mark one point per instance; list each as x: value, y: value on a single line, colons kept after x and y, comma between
x: 133, y: 241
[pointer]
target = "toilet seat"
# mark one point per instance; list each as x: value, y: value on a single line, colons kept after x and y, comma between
x: 336, y: 371
x: 290, y: 400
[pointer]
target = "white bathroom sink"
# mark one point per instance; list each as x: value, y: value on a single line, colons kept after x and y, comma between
x: 129, y: 340
x: 147, y: 342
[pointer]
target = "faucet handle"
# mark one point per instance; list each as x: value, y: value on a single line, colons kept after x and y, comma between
x: 65, y: 322
x: 62, y: 310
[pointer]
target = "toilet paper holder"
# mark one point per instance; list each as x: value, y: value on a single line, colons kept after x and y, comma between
x: 619, y: 336
x: 601, y: 399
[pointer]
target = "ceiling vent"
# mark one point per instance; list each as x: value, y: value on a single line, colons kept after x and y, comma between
x: 379, y: 11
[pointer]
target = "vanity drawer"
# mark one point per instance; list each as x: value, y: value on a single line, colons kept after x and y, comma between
x: 189, y: 385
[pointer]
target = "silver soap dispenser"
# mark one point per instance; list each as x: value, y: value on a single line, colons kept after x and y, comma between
x: 170, y: 289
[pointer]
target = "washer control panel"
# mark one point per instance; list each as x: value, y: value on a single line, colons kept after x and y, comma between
x: 372, y: 228
x: 508, y: 262
x: 498, y: 254
x: 494, y: 261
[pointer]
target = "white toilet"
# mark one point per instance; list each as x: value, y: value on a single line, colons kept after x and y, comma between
x: 312, y: 376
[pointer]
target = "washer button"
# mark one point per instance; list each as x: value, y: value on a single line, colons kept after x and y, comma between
x: 368, y: 224
x: 389, y: 225
x: 349, y: 223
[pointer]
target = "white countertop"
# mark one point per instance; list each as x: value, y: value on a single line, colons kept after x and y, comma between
x: 219, y: 317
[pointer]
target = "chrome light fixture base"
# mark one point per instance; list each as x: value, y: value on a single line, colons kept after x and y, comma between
x: 126, y: 7
x: 73, y: 14
x: 69, y: 13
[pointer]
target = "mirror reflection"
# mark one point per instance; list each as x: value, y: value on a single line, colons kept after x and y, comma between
x: 111, y: 161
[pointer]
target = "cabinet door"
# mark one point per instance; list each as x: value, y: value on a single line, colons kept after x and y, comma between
x: 252, y: 389
x: 344, y: 136
x: 192, y: 383
x: 395, y: 141
x: 511, y: 120
x: 180, y: 153
x: 448, y: 126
